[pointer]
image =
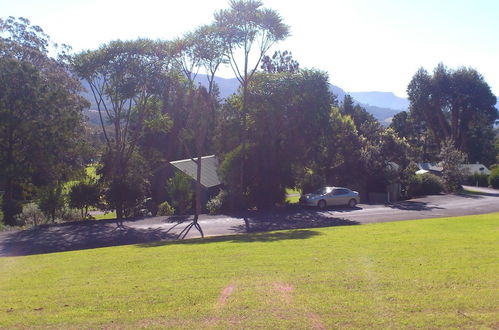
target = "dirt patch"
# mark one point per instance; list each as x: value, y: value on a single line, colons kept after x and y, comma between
x: 224, y: 296
x: 316, y: 321
x: 285, y: 290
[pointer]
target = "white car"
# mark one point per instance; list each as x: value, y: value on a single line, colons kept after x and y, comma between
x: 329, y: 196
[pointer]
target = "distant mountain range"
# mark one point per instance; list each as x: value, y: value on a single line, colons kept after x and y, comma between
x: 382, y: 105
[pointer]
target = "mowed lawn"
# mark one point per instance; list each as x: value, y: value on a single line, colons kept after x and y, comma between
x: 410, y: 274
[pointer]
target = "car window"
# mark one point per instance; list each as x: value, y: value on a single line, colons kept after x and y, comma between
x: 323, y: 191
x: 337, y: 192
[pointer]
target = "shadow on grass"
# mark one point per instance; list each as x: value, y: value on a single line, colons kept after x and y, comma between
x: 250, y: 238
x: 104, y: 233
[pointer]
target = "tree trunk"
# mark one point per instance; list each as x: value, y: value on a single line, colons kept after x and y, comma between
x: 198, y: 190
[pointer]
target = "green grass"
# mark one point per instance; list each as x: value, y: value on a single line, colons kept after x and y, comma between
x: 91, y: 171
x: 434, y: 273
x: 104, y: 216
x: 292, y: 199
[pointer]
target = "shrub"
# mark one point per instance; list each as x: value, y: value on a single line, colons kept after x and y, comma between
x: 494, y: 178
x: 84, y: 195
x: 217, y: 203
x: 50, y: 200
x: 67, y: 214
x: 477, y: 179
x: 452, y: 174
x: 311, y: 182
x: 424, y: 184
x: 179, y: 188
x: 31, y: 216
x: 165, y: 209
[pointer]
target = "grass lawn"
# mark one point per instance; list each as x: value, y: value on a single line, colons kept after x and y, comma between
x: 104, y: 216
x: 435, y: 273
x: 292, y: 199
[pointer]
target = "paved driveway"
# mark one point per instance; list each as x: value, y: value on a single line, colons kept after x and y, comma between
x: 93, y: 234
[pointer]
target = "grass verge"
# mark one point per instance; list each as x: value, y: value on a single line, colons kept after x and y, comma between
x: 430, y: 273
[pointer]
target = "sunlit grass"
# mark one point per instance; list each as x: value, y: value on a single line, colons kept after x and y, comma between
x: 292, y: 199
x: 433, y: 273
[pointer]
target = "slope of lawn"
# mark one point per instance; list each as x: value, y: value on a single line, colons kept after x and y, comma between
x: 410, y: 274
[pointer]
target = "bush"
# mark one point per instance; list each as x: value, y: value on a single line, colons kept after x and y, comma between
x: 84, y: 195
x: 311, y: 182
x: 424, y: 184
x: 217, y: 203
x: 11, y: 208
x: 494, y: 178
x: 165, y: 209
x: 477, y: 179
x: 31, y: 216
x: 179, y: 188
x: 67, y: 214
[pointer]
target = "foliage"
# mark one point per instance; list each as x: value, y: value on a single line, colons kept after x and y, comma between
x: 311, y: 182
x: 126, y: 79
x: 67, y: 214
x: 165, y: 209
x: 494, y: 178
x: 50, y: 200
x: 31, y: 215
x: 454, y: 104
x: 84, y: 195
x: 425, y: 271
x: 248, y: 31
x: 424, y: 184
x: 452, y: 159
x: 128, y: 191
x: 40, y: 113
x: 280, y: 62
x: 218, y: 203
x: 179, y: 188
x: 477, y: 179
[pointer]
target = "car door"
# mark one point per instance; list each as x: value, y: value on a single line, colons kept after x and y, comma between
x: 334, y: 197
x: 340, y: 196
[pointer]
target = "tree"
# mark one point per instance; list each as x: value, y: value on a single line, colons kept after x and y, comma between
x: 280, y: 62
x: 287, y: 116
x: 451, y: 102
x: 452, y: 159
x: 40, y: 111
x: 244, y: 27
x: 202, y: 48
x: 83, y: 195
x: 125, y: 79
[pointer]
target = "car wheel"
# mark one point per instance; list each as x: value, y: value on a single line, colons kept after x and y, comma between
x: 352, y: 203
x: 322, y: 204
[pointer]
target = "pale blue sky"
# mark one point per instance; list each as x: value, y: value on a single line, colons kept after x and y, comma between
x: 364, y: 45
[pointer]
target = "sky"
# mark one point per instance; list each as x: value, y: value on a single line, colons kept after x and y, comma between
x: 370, y: 45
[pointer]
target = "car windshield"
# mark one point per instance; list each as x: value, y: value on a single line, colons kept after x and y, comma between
x: 323, y: 191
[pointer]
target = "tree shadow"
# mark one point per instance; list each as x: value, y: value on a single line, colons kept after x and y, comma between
x: 413, y: 206
x: 254, y: 237
x: 80, y: 236
x: 288, y: 219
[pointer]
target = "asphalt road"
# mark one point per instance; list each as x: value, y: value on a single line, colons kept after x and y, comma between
x: 94, y: 234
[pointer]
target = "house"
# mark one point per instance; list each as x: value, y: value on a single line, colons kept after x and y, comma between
x: 210, y: 182
x: 469, y: 169
x: 475, y: 169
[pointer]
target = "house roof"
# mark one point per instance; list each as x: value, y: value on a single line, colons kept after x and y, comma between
x: 430, y: 167
x: 209, y: 168
x: 476, y: 168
